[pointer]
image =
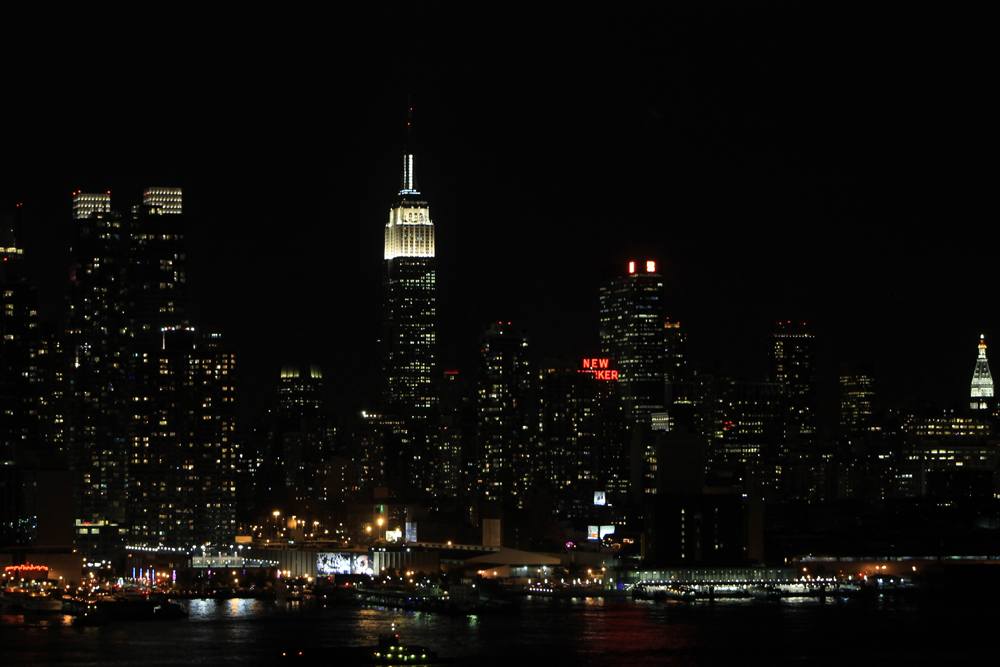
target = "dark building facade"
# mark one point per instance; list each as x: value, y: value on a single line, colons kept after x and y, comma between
x: 504, y: 414
x: 632, y: 337
x: 98, y: 343
x: 793, y: 365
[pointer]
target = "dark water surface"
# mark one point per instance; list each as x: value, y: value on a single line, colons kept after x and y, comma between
x: 561, y: 633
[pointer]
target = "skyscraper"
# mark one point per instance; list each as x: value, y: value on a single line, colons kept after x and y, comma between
x: 982, y: 381
x: 98, y: 343
x: 857, y: 391
x: 408, y: 331
x: 151, y: 399
x: 157, y: 283
x: 182, y: 460
x: 18, y: 343
x: 504, y: 381
x: 793, y: 366
x: 632, y: 336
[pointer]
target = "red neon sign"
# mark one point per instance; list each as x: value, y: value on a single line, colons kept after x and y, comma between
x: 26, y: 568
x: 599, y: 367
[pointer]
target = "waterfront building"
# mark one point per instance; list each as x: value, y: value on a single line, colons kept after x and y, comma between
x: 183, y: 458
x: 151, y: 426
x: 982, y: 381
x: 97, y: 335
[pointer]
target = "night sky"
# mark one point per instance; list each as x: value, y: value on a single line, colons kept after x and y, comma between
x: 829, y: 167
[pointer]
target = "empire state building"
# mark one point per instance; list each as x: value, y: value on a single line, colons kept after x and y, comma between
x: 408, y: 322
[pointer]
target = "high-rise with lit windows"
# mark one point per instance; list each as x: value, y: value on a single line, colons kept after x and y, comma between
x: 157, y: 284
x: 632, y: 336
x: 408, y: 332
x: 793, y: 365
x: 98, y: 342
x: 503, y: 428
x: 150, y: 416
x: 982, y: 380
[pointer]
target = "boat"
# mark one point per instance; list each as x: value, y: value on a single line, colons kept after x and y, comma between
x: 391, y: 652
x: 124, y: 607
x: 42, y: 602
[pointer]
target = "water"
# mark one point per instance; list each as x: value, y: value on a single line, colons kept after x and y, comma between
x: 556, y: 632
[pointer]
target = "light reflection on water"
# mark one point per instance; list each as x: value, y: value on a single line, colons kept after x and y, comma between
x: 584, y: 631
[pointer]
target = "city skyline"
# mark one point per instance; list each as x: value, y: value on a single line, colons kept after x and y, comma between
x: 838, y: 181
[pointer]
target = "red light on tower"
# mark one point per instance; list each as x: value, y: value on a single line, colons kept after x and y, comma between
x: 650, y: 267
x: 631, y: 267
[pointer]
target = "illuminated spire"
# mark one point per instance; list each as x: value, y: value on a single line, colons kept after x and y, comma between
x: 409, y: 178
x: 982, y: 380
x: 410, y: 231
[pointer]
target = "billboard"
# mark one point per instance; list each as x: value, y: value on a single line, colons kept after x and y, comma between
x: 599, y: 532
x: 342, y: 562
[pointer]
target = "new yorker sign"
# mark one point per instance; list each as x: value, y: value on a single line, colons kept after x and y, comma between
x: 599, y: 367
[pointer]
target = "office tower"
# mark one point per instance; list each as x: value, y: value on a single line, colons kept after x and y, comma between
x: 562, y: 454
x: 299, y: 396
x: 301, y: 435
x: 632, y: 337
x: 793, y: 366
x: 578, y: 446
x: 857, y: 391
x: 408, y: 333
x: 456, y: 470
x: 97, y: 338
x: 504, y: 392
x: 18, y: 389
x: 751, y: 418
x: 157, y: 287
x: 675, y: 360
x: 982, y: 381
x: 19, y: 394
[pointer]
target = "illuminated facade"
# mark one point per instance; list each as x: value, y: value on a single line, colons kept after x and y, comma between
x: 409, y: 316
x: 168, y: 200
x: 982, y: 381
